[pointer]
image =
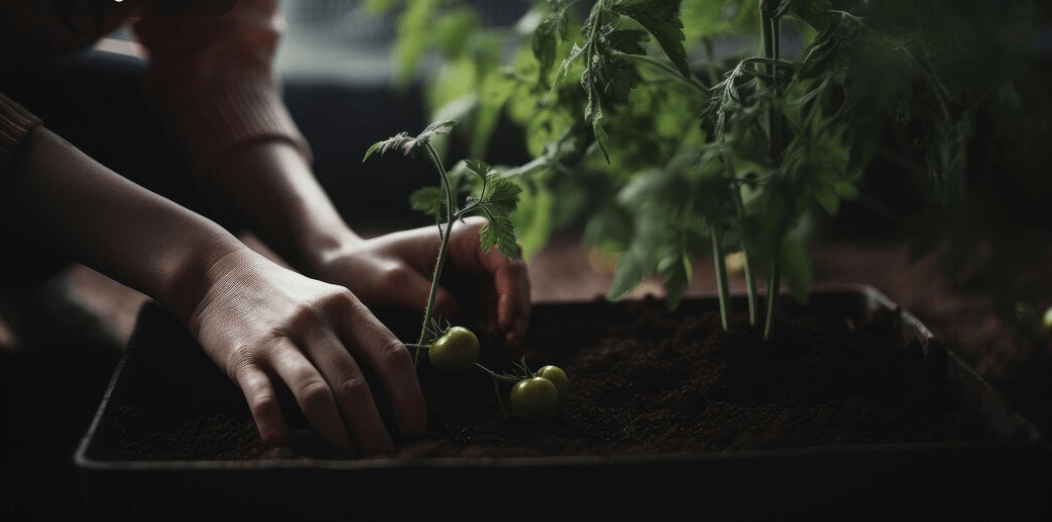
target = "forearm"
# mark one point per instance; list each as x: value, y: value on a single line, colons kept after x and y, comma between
x: 58, y: 196
x: 271, y: 190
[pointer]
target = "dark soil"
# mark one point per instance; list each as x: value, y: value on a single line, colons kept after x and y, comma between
x: 644, y: 381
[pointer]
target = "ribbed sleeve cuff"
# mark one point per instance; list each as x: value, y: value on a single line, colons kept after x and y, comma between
x: 15, y: 124
x: 213, y: 125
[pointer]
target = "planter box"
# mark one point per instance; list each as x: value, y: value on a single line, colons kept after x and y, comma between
x: 1000, y: 472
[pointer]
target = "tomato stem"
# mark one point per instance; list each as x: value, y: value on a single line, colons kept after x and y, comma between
x: 440, y: 263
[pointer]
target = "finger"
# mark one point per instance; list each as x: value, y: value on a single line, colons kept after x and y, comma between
x: 263, y: 403
x: 371, y: 342
x: 510, y: 278
x: 312, y: 394
x: 353, y: 397
x: 413, y: 290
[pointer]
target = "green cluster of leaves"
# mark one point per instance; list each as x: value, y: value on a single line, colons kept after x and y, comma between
x: 497, y: 199
x: 663, y: 167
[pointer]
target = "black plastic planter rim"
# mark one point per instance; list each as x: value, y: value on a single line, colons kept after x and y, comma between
x: 1016, y: 431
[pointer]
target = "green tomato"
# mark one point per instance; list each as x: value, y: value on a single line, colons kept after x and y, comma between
x: 534, y: 398
x: 558, y: 378
x: 456, y: 351
x: 1044, y: 327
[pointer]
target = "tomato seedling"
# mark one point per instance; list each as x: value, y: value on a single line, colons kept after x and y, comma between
x: 456, y: 349
x: 497, y: 198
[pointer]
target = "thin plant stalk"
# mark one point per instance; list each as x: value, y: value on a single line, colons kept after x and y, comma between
x: 750, y: 287
x: 750, y: 280
x: 721, y: 277
x: 773, y: 284
x: 770, y: 28
x: 440, y: 264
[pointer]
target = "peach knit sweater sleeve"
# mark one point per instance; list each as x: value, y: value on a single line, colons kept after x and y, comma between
x: 212, y: 80
x: 15, y: 124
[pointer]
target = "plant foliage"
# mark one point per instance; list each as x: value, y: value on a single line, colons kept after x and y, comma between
x: 674, y: 129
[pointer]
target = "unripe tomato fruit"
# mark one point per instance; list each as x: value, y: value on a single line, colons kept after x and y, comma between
x: 534, y: 398
x: 455, y: 351
x: 558, y: 378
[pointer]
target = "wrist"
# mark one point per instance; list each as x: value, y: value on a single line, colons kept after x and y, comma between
x: 185, y: 289
x: 320, y: 246
x: 286, y: 206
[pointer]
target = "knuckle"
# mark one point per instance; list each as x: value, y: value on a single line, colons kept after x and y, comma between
x: 353, y: 387
x: 306, y: 315
x: 263, y: 407
x: 394, y: 354
x: 344, y: 301
x: 242, y: 359
x: 313, y: 393
x: 392, y: 277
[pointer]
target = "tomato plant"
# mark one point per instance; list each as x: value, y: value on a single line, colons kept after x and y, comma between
x: 456, y: 349
x: 674, y: 147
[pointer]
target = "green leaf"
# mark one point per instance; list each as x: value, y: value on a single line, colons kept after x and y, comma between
x: 503, y: 194
x: 533, y: 220
x: 797, y: 270
x: 677, y: 268
x: 479, y: 168
x: 826, y: 196
x: 499, y: 231
x: 453, y: 29
x: 495, y: 90
x: 378, y: 6
x: 661, y: 19
x: 407, y: 144
x: 429, y: 200
x: 629, y: 274
x: 846, y: 190
x: 414, y: 32
x: 544, y: 42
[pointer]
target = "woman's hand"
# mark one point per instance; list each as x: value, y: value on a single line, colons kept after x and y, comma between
x: 262, y: 323
x: 396, y: 269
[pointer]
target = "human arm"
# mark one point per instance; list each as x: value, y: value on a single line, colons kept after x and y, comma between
x: 258, y: 322
x: 213, y: 83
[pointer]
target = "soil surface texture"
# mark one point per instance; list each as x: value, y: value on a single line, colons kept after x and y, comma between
x: 643, y: 380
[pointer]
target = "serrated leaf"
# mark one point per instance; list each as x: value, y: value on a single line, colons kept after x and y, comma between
x: 575, y: 53
x: 499, y: 231
x: 503, y: 194
x: 429, y: 200
x: 661, y: 19
x: 628, y: 275
x: 407, y: 144
x: 545, y: 42
x: 601, y: 138
x: 677, y: 268
x: 395, y: 142
x: 479, y: 168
